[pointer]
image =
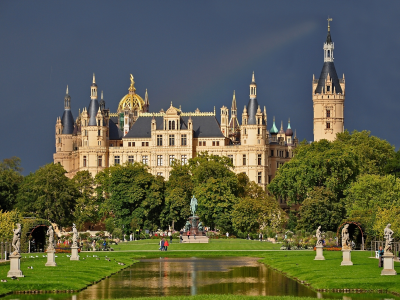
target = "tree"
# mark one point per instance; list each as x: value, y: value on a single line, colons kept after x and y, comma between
x: 321, y: 208
x: 48, y: 194
x: 333, y: 165
x: 178, y: 192
x: 255, y: 210
x: 386, y: 216
x: 10, y: 179
x: 87, y: 204
x: 133, y: 193
x: 8, y: 219
x: 367, y: 195
x: 393, y: 165
x: 215, y: 187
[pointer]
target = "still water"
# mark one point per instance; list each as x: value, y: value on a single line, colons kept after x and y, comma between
x: 195, y: 276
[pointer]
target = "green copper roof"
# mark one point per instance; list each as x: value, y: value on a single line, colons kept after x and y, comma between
x: 274, y: 129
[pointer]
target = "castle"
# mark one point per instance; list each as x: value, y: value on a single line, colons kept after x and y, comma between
x: 98, y: 138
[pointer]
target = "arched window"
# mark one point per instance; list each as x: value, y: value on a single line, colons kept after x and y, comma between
x: 329, y: 53
x: 173, y: 125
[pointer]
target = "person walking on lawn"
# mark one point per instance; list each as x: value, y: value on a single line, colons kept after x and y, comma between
x: 380, y: 252
x: 166, y: 245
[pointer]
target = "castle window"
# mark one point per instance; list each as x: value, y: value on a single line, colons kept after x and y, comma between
x: 172, y: 140
x: 245, y: 131
x: 258, y: 130
x: 85, y: 132
x: 287, y: 153
x: 272, y: 152
x: 129, y: 144
x: 99, y: 132
x: 217, y: 143
x: 133, y: 144
x: 84, y: 161
x: 59, y: 140
x: 98, y: 143
x: 171, y: 125
x: 183, y: 140
x: 329, y: 53
x: 100, y: 161
x: 59, y: 130
x: 159, y: 140
x: 328, y: 125
x: 213, y: 143
x: 160, y: 174
x: 145, y: 159
x: 145, y: 144
x: 159, y: 160
x: 131, y: 159
x: 171, y: 159
x: 328, y: 113
x: 231, y: 158
x: 116, y: 160
x: 98, y: 123
x: 259, y: 159
x: 328, y: 88
x: 85, y: 123
x: 259, y: 177
x: 184, y: 159
x: 244, y: 159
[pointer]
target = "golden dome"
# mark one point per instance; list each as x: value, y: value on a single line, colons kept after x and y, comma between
x: 131, y: 101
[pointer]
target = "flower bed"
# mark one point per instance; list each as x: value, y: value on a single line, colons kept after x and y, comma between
x: 331, y: 248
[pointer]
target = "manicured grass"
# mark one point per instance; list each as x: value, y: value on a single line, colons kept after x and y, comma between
x: 222, y: 297
x: 329, y: 274
x: 68, y: 275
x: 213, y: 244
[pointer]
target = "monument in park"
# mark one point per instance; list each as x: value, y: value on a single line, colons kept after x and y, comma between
x: 346, y: 246
x: 51, y: 261
x: 74, y: 247
x: 388, y: 257
x: 15, y: 257
x: 193, y: 225
x: 319, y: 246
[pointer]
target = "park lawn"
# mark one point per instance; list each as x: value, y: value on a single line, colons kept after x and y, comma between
x: 223, y: 297
x: 213, y: 244
x: 68, y: 275
x: 329, y: 274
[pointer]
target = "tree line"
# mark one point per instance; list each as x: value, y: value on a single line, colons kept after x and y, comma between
x: 128, y: 197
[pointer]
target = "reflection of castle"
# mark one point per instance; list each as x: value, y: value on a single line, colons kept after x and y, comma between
x: 98, y: 138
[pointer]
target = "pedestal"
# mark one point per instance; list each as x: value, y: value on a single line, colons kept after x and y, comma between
x: 388, y: 264
x: 51, y: 259
x: 74, y: 253
x: 15, y: 268
x: 346, y: 258
x: 320, y: 253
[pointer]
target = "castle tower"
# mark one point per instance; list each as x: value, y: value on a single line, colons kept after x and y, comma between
x: 252, y: 119
x: 234, y: 123
x: 224, y: 120
x: 94, y: 104
x: 328, y: 97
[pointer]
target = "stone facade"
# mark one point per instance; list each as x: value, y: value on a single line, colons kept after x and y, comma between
x: 98, y: 139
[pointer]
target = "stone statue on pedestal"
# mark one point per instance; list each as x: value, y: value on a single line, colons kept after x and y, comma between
x: 193, y: 205
x: 74, y: 236
x: 50, y: 233
x: 346, y: 243
x: 187, y: 226
x: 388, y: 233
x: 319, y: 236
x: 16, y: 242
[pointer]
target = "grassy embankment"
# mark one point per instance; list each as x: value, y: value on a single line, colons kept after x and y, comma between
x: 329, y: 274
x: 68, y: 275
x: 222, y: 297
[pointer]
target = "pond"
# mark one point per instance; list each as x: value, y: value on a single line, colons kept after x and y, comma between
x: 196, y: 276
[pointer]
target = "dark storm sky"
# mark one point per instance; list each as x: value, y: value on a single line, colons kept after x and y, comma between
x: 193, y: 53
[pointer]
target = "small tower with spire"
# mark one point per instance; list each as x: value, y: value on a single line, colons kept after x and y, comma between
x: 224, y: 121
x: 93, y: 94
x: 328, y: 94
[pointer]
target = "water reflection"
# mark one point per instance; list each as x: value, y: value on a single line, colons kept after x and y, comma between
x: 196, y: 276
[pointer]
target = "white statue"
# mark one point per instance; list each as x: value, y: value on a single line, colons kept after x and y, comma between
x: 16, y: 242
x: 388, y: 233
x: 50, y: 233
x: 74, y: 236
x: 319, y: 236
x: 346, y: 243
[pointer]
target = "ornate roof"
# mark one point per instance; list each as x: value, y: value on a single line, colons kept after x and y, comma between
x: 131, y: 101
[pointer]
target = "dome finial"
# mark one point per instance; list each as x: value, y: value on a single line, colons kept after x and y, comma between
x: 101, y: 95
x: 252, y: 78
x: 67, y: 90
x: 329, y: 26
x: 94, y: 78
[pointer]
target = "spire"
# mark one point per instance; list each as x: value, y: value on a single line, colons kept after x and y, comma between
x: 252, y: 78
x: 281, y: 131
x: 233, y: 102
x: 288, y: 126
x: 67, y: 90
x: 328, y: 37
x: 67, y: 100
x: 67, y: 120
x: 146, y: 98
x: 273, y: 130
x: 102, y: 104
x: 101, y: 95
x: 94, y: 79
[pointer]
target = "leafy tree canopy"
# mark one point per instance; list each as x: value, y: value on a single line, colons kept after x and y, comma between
x: 10, y: 179
x: 48, y: 194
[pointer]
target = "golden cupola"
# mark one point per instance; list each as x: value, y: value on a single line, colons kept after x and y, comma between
x: 131, y: 101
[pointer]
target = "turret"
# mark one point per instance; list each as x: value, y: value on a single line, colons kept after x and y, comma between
x: 94, y: 103
x: 253, y: 104
x: 224, y: 121
x: 67, y: 119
